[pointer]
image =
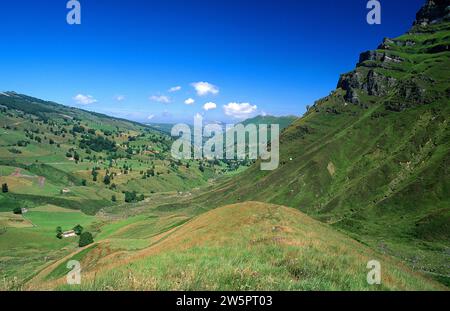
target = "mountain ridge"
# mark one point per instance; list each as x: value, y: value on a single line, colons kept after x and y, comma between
x: 253, y: 242
x: 372, y: 158
x: 36, y: 100
x: 363, y: 175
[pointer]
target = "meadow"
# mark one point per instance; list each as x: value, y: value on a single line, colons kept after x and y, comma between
x: 363, y: 176
x: 248, y: 246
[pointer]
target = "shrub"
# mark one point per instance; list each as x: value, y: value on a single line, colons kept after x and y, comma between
x: 98, y: 144
x: 22, y: 143
x: 85, y: 239
x: 15, y: 151
x: 78, y: 229
x: 17, y: 211
x: 78, y: 129
x: 130, y: 197
x: 59, y: 232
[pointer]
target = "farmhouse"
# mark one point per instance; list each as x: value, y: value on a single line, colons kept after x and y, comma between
x: 69, y: 234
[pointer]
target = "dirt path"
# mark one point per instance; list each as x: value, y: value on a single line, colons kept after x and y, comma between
x: 38, y: 281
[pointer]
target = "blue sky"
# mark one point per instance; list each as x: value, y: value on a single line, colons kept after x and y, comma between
x: 274, y: 57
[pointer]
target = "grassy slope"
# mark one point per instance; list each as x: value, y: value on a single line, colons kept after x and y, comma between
x: 249, y: 246
x: 380, y: 175
x: 47, y: 121
x: 283, y: 121
x: 377, y: 173
x: 25, y: 248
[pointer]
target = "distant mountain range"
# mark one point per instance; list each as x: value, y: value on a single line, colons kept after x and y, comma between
x: 283, y: 121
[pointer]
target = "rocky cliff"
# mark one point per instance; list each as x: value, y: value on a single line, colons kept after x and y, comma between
x: 378, y: 70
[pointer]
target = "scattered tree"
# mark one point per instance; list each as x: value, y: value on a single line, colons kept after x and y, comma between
x: 78, y: 229
x: 59, y: 232
x: 130, y: 197
x: 85, y: 239
x: 17, y: 211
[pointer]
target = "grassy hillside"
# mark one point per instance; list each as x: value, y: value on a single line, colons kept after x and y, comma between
x: 284, y: 121
x: 363, y: 175
x: 249, y: 246
x: 57, y: 158
x: 46, y: 148
x: 372, y: 159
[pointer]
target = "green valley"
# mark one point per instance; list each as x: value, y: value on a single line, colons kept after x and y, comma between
x: 363, y: 176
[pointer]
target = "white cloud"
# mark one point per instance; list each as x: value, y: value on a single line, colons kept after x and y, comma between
x: 150, y: 117
x: 205, y: 88
x: 189, y: 101
x: 160, y: 99
x: 209, y: 106
x: 239, y: 110
x: 84, y: 99
x: 175, y: 89
x: 119, y: 98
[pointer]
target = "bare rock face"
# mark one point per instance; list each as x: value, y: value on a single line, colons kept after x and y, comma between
x: 378, y: 56
x: 352, y: 80
x: 369, y: 77
x: 388, y: 43
x: 377, y: 84
x: 372, y: 83
x: 350, y: 83
x: 432, y: 12
x: 371, y: 56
